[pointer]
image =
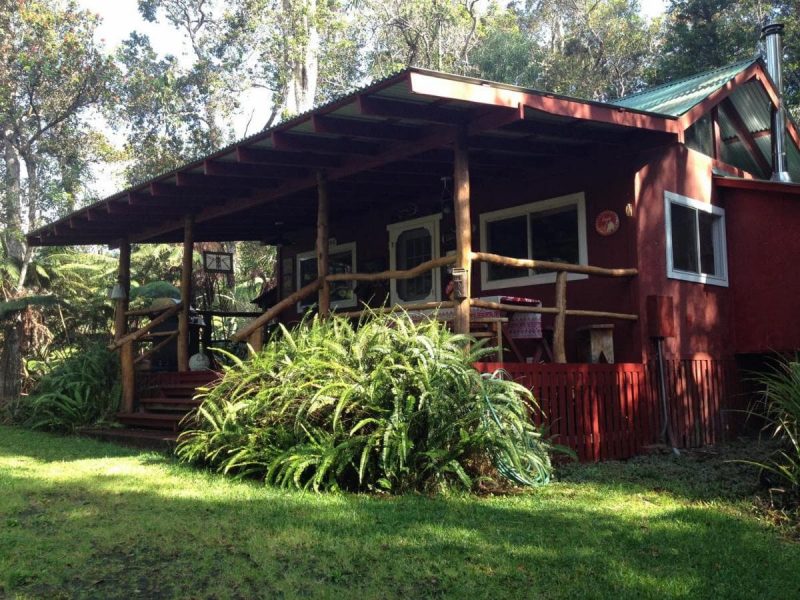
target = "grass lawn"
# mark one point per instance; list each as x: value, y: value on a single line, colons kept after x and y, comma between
x: 80, y: 518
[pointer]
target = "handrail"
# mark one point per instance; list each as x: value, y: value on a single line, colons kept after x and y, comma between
x: 549, y: 310
x: 560, y: 311
x: 404, y: 274
x: 479, y: 303
x: 354, y: 314
x: 275, y: 310
x: 156, y: 347
x: 547, y: 265
x: 312, y: 287
x: 135, y: 335
x: 144, y: 312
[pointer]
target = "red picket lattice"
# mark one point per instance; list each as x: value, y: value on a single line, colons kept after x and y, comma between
x: 606, y: 412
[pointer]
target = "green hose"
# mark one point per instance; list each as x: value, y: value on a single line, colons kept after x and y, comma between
x: 535, y: 476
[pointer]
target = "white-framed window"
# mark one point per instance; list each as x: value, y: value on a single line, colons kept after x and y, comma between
x: 341, y: 259
x: 411, y: 243
x: 696, y: 249
x: 553, y: 230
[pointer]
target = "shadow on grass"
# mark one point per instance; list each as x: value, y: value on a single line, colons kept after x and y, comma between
x: 723, y: 472
x: 161, y: 530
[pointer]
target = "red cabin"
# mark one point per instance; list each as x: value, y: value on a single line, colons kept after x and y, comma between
x: 579, y: 236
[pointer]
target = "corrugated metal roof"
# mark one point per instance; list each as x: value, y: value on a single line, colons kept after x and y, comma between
x: 677, y: 97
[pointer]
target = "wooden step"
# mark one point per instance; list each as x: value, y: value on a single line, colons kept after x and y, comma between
x: 175, y: 391
x: 169, y: 403
x: 137, y: 438
x: 162, y: 421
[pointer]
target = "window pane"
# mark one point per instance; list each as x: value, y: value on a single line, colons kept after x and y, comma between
x: 554, y: 235
x: 341, y: 262
x: 308, y: 270
x: 684, y: 238
x: 338, y: 262
x: 507, y: 238
x: 708, y: 263
x: 413, y: 247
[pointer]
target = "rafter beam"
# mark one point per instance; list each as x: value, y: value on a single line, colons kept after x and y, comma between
x: 303, y: 142
x: 365, y: 129
x: 264, y: 156
x: 222, y: 184
x: 436, y: 137
x: 249, y: 171
x: 525, y: 146
x: 373, y: 106
x: 166, y: 190
x: 745, y: 136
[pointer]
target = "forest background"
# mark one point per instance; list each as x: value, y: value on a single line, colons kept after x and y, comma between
x: 79, y: 120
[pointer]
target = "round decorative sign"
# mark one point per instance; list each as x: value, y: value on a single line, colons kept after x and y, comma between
x: 607, y: 222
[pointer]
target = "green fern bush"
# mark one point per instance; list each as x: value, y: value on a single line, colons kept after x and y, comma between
x: 780, y: 406
x: 80, y: 389
x: 384, y: 405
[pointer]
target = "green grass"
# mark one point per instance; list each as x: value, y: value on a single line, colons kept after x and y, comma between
x: 84, y: 519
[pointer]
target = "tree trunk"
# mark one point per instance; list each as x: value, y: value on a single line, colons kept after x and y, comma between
x: 12, y: 203
x: 11, y: 360
x: 303, y: 44
x: 32, y: 167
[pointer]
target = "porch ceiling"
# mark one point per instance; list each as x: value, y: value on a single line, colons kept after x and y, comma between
x: 380, y: 144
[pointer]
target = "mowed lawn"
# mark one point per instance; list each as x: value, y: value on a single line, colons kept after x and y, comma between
x: 85, y: 519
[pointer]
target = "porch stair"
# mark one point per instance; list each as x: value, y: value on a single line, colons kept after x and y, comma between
x: 164, y: 401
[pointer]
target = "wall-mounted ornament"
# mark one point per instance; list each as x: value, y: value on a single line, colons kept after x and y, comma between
x: 607, y: 223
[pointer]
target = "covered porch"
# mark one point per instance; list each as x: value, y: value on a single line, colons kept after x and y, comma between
x: 413, y: 148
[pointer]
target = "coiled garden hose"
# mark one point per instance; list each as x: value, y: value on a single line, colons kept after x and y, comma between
x: 504, y: 463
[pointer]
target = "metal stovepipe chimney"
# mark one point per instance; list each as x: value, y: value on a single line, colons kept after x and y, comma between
x: 772, y: 34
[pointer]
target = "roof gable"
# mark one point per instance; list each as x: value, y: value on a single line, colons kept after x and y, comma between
x: 678, y: 97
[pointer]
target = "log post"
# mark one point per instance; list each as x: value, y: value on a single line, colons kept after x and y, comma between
x: 124, y: 282
x: 256, y: 340
x: 461, y: 210
x: 126, y: 358
x: 322, y: 245
x: 128, y: 377
x: 559, y: 346
x: 186, y: 293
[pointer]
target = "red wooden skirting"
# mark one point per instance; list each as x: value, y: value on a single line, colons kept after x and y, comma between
x: 608, y: 412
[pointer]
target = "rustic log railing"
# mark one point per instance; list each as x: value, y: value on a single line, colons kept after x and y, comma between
x: 560, y: 311
x: 136, y: 335
x: 125, y: 344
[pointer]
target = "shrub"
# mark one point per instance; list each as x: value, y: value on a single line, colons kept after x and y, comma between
x: 780, y: 406
x: 81, y: 388
x: 385, y: 405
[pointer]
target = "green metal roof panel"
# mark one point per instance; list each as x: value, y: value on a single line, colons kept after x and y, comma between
x: 677, y: 97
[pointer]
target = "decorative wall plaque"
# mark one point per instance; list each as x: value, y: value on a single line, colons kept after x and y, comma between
x: 607, y: 223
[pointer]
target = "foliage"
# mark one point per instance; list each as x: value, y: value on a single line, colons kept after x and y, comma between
x: 583, y: 48
x: 422, y: 33
x: 155, y: 289
x: 780, y: 405
x: 53, y: 74
x: 647, y: 528
x: 19, y: 304
x: 703, y: 34
x: 387, y: 405
x: 79, y: 389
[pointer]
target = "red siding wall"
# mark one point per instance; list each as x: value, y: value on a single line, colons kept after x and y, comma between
x: 605, y: 186
x: 702, y: 312
x: 764, y: 262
